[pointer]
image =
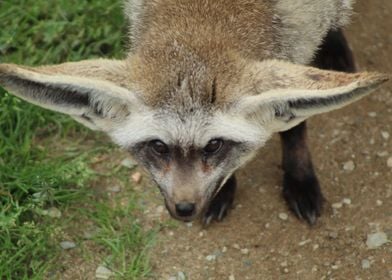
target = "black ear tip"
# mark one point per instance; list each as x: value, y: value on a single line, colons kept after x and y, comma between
x: 368, y: 82
x: 3, y: 72
x: 6, y: 68
x: 375, y: 79
x: 384, y: 77
x: 8, y: 72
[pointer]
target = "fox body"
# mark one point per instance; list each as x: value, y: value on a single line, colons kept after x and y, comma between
x: 204, y: 86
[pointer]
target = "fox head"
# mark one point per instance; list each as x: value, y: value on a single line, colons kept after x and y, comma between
x: 193, y: 111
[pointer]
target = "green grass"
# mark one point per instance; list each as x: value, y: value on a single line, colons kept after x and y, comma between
x: 125, y: 242
x: 43, y: 158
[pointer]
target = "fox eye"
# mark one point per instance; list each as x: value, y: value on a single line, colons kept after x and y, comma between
x: 158, y: 147
x: 213, y: 146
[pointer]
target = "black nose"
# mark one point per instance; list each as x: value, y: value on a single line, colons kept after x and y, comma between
x: 185, y: 209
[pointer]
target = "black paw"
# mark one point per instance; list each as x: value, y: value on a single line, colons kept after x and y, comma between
x: 303, y: 197
x: 221, y: 203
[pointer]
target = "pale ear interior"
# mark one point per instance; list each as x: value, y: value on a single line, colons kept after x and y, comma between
x: 89, y: 91
x: 281, y: 95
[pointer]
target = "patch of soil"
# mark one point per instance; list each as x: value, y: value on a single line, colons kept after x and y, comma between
x: 254, y: 243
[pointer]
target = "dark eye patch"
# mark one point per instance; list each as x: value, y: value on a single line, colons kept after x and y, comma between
x: 213, y: 147
x: 159, y: 147
x: 157, y: 154
x: 220, y: 150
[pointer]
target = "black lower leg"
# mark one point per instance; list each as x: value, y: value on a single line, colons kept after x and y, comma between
x: 222, y: 202
x: 300, y: 185
x: 335, y: 53
x: 301, y: 189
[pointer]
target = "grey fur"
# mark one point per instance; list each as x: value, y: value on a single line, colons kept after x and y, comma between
x: 302, y: 25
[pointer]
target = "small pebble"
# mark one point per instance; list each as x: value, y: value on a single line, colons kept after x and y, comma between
x: 211, y: 258
x: 372, y: 114
x: 376, y: 240
x: 231, y: 277
x: 160, y: 209
x: 236, y: 246
x: 52, y: 212
x: 379, y: 202
x: 333, y: 235
x: 347, y: 201
x: 336, y: 132
x: 66, y: 245
x: 128, y: 163
x: 382, y: 154
x: 337, y: 205
x: 245, y: 251
x: 90, y: 233
x: 181, y: 276
x: 224, y: 249
x: 283, y: 216
x: 103, y: 273
x: 349, y: 166
x: 283, y: 264
x: 389, y: 162
x: 136, y: 177
x: 114, y: 189
x: 189, y: 225
x: 385, y: 135
x: 349, y: 228
x: 267, y: 225
x: 303, y: 243
x: 365, y: 264
x: 248, y: 262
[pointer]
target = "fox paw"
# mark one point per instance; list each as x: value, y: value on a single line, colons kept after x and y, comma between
x: 221, y: 203
x: 303, y: 197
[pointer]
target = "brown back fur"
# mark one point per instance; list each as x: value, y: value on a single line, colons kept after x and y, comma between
x: 203, y: 42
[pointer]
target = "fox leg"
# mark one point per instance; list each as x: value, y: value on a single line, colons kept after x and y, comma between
x: 301, y: 188
x: 222, y: 202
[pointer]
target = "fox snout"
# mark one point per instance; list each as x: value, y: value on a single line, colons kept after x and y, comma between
x: 211, y: 204
x: 187, y: 202
x: 187, y: 188
x: 184, y: 209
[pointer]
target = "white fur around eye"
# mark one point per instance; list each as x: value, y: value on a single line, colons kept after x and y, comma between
x: 195, y: 130
x: 235, y: 128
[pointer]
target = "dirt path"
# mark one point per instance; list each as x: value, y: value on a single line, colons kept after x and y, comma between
x: 254, y: 243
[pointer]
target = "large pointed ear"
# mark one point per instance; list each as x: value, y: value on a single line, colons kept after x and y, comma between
x: 93, y: 91
x: 279, y: 95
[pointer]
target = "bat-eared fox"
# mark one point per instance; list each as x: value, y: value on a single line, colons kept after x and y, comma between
x: 203, y: 86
